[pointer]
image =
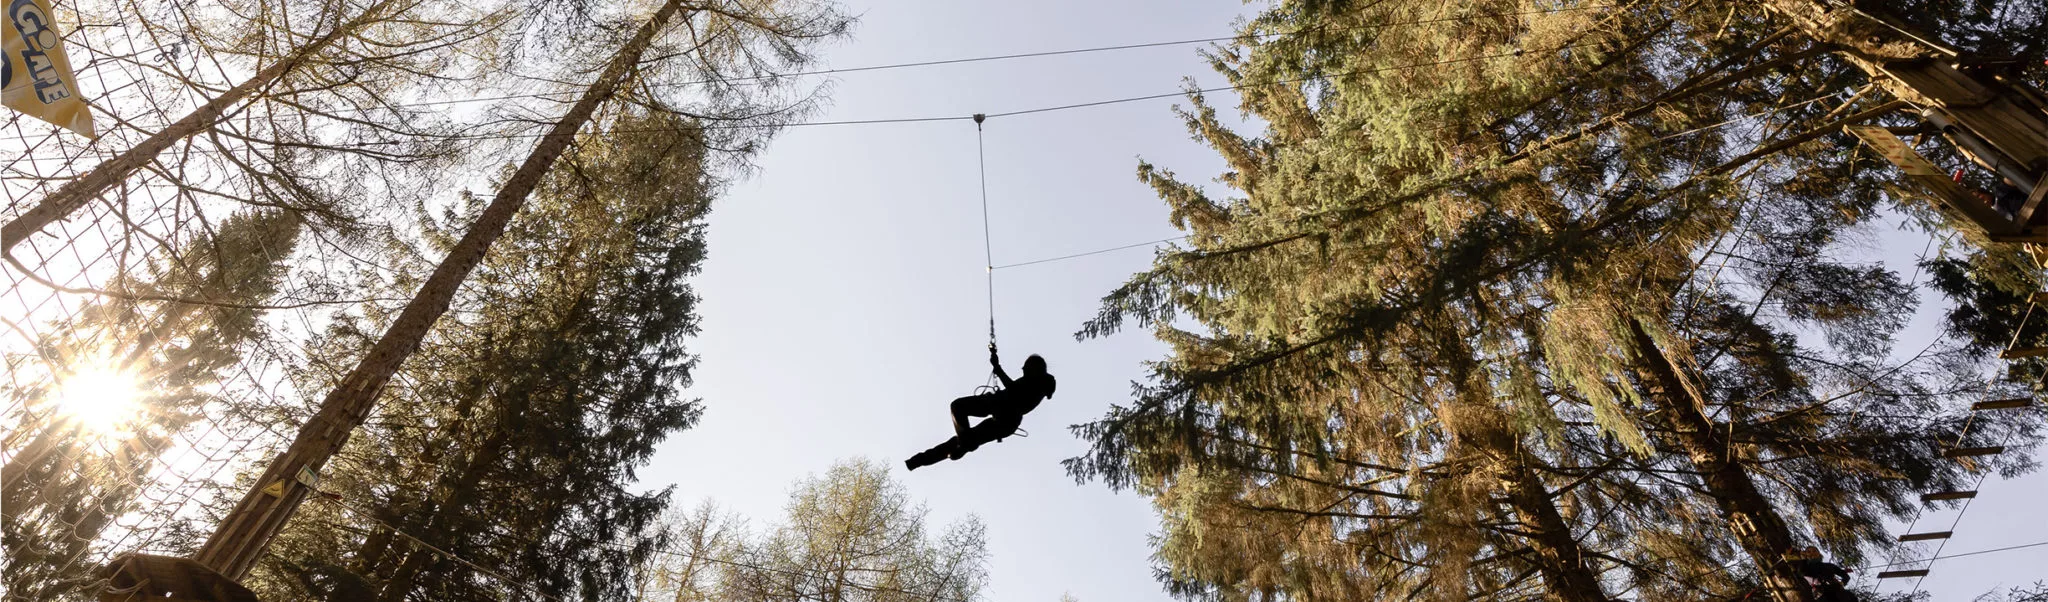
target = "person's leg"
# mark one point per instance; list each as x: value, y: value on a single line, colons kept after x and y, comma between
x: 995, y: 427
x: 971, y: 406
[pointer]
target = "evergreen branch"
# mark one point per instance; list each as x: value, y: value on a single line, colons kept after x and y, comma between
x: 130, y: 296
x: 1325, y: 514
x: 1440, y: 292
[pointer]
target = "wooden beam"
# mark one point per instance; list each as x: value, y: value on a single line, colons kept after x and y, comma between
x: 2002, y: 404
x: 1964, y: 452
x: 1926, y: 536
x: 1943, y: 190
x: 2022, y: 352
x: 1898, y: 574
x: 2026, y: 213
x: 2040, y: 297
x: 1943, y: 496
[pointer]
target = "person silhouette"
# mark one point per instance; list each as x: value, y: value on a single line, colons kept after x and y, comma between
x: 1002, y: 410
x: 1829, y: 580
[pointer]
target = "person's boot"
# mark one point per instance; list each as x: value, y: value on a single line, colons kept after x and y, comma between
x: 930, y: 456
x: 960, y: 448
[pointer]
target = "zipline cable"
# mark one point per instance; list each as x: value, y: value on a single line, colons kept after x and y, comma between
x: 929, y: 63
x: 366, y: 513
x: 1036, y: 54
x: 988, y: 253
x: 1094, y: 252
x: 1938, y: 557
x: 900, y: 120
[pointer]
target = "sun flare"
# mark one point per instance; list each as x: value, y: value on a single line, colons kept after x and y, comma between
x: 100, y: 398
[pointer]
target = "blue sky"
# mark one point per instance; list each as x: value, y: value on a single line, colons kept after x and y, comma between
x: 844, y: 302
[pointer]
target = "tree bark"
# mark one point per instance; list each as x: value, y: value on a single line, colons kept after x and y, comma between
x: 245, y: 532
x: 1559, y: 558
x: 95, y: 182
x: 1757, y: 526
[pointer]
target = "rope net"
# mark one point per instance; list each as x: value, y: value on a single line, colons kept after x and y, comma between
x: 128, y: 420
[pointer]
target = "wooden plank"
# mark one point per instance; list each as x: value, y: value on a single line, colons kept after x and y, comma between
x: 1899, y: 574
x: 2026, y: 212
x: 1932, y: 535
x: 1964, y: 452
x: 2032, y: 235
x: 1889, y: 146
x: 2002, y: 404
x: 2022, y: 352
x: 2041, y: 297
x: 1959, y: 200
x: 1943, y: 496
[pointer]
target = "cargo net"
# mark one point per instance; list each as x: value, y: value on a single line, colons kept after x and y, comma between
x: 150, y: 336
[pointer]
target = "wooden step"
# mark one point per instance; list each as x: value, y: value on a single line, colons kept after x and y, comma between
x: 1926, y: 536
x: 2022, y: 352
x: 1947, y: 495
x: 2040, y: 297
x: 1897, y: 574
x: 2002, y: 404
x: 1965, y: 452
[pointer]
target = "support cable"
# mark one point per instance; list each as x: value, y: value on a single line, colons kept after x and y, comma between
x: 1939, y: 557
x: 372, y: 516
x: 987, y: 248
x: 1094, y: 252
x: 1981, y: 479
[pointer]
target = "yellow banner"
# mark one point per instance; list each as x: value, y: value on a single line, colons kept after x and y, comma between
x: 37, y: 78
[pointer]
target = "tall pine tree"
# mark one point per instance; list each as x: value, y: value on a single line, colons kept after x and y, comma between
x: 1461, y: 313
x: 511, y: 438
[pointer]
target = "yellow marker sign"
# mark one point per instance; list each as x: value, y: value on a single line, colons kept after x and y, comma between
x: 36, y: 78
x: 275, y: 489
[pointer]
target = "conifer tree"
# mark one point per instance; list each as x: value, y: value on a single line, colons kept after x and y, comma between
x: 1450, y: 322
x: 628, y: 75
x: 316, y: 92
x: 513, y: 436
x: 698, y: 547
x: 65, y: 484
x: 854, y: 534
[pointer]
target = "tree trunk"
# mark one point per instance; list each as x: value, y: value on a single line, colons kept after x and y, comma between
x: 95, y: 182
x: 1757, y: 526
x: 243, y: 535
x: 1558, y: 555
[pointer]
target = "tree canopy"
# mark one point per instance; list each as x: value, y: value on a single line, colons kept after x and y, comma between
x: 1532, y: 301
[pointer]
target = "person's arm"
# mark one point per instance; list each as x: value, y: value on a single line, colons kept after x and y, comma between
x: 997, y: 364
x: 1840, y: 573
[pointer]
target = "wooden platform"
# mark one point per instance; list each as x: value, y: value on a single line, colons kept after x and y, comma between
x: 144, y: 577
x: 2002, y: 404
x: 1966, y: 452
x: 2022, y: 353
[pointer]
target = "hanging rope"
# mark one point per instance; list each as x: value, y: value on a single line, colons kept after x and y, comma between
x: 987, y: 250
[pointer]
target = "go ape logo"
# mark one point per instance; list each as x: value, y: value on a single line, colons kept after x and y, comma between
x: 41, y: 85
x: 32, y: 22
